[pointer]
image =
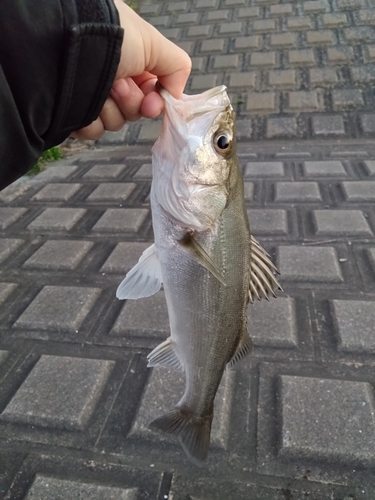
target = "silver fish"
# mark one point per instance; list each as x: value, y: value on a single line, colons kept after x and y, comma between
x: 204, y: 255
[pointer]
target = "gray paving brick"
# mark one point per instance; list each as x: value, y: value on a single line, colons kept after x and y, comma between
x: 247, y: 80
x: 367, y: 16
x: 200, y: 30
x: 281, y: 9
x: 8, y: 246
x: 59, y: 255
x: 57, y: 192
x: 219, y: 15
x: 247, y: 42
x: 54, y: 396
x: 61, y: 308
x: 349, y: 4
x: 340, y: 55
x: 57, y: 219
x: 328, y: 125
x: 3, y: 356
x: 160, y: 21
x: 282, y: 78
x: 188, y: 18
x: 268, y: 221
x: 10, y: 215
x: 281, y: 127
x: 104, y: 171
x: 263, y: 59
x: 5, y: 290
x: 335, y: 20
x: 304, y: 100
x: 243, y: 129
x: 284, y: 40
x: 359, y: 34
x: 143, y: 318
x: 369, y: 167
x: 314, y: 6
x: 347, y: 99
x: 371, y: 52
x: 371, y: 257
x: 186, y: 46
x: 368, y: 123
x: 303, y: 57
x: 273, y: 324
x: 164, y: 389
x: 59, y: 172
x: 177, y: 6
x: 121, y: 219
x: 149, y: 9
x: 341, y: 222
x: 261, y: 102
x: 264, y: 26
x: 264, y: 169
x: 227, y: 61
x: 323, y: 76
x: 354, y: 321
x: 297, y: 191
x: 47, y: 487
x: 234, y: 28
x: 150, y: 131
x: 322, y: 37
x: 197, y: 63
x: 213, y: 45
x: 171, y: 33
x: 315, y: 264
x: 324, y: 169
x: 299, y: 23
x: 359, y: 190
x: 234, y: 2
x: 144, y: 172
x: 112, y: 192
x: 124, y: 257
x: 203, y: 82
x: 249, y: 13
x: 309, y: 431
x: 249, y: 191
x: 206, y: 4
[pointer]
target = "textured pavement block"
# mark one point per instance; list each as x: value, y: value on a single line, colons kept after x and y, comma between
x: 273, y: 324
x: 359, y: 190
x: 322, y: 37
x: 347, y: 99
x: 261, y: 102
x: 8, y: 246
x: 281, y: 127
x: 218, y: 15
x: 268, y: 221
x: 247, y: 42
x: 149, y: 9
x: 60, y: 393
x: 57, y: 219
x: 264, y: 169
x: 368, y: 123
x: 335, y: 20
x: 340, y: 55
x: 124, y: 257
x: 150, y: 131
x: 314, y: 6
x: 299, y: 23
x: 171, y: 33
x: 297, y: 191
x: 284, y: 40
x: 59, y: 255
x: 57, y: 192
x: 349, y: 4
x: 234, y: 3
x: 371, y: 256
x: 263, y: 59
x: 188, y: 18
x: 160, y: 21
x: 315, y: 264
x: 213, y: 45
x: 206, y: 4
x: 323, y: 76
x: 247, y: 80
x: 3, y: 356
x: 243, y: 129
x: 144, y: 172
x: 203, y: 82
x: 324, y: 169
x: 341, y: 223
x: 121, y: 219
x: 280, y: 9
x: 248, y: 191
x: 163, y: 392
x: 61, y: 308
x: 367, y: 16
x: 303, y: 100
x: 47, y: 487
x: 248, y: 13
x: 323, y: 125
x: 5, y: 290
x: 359, y: 34
x: 369, y: 167
x: 146, y: 317
x: 283, y: 78
x: 303, y: 57
x: 201, y: 30
x: 9, y: 215
x: 354, y: 320
x: 327, y: 418
x: 264, y: 26
x: 57, y: 172
x: 112, y: 192
x: 227, y: 61
x: 104, y: 171
x: 230, y: 28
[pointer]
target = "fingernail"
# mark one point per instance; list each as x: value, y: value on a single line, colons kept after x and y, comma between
x: 121, y: 88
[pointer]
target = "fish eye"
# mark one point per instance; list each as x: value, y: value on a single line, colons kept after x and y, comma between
x: 223, y: 142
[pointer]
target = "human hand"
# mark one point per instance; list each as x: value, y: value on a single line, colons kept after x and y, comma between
x: 147, y: 57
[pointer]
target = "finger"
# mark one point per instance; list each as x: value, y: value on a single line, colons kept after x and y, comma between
x: 128, y: 98
x: 94, y: 131
x: 152, y: 105
x: 111, y: 116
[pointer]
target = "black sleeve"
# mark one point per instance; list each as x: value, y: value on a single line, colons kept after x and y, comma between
x: 58, y: 60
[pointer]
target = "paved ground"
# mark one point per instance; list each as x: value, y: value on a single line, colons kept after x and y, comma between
x: 295, y: 420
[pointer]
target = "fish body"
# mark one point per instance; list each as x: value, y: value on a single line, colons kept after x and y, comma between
x: 203, y: 254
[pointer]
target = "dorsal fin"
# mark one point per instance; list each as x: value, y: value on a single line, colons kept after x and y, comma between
x: 262, y: 273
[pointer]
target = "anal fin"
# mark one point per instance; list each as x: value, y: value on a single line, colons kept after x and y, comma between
x: 166, y: 356
x: 243, y: 349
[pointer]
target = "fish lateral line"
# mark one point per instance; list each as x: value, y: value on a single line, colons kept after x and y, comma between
x: 190, y: 243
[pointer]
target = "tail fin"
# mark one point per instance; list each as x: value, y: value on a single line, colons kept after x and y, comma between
x: 192, y: 432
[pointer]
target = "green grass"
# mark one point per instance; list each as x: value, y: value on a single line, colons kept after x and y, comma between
x: 48, y: 156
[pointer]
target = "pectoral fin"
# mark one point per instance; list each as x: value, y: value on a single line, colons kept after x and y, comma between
x: 166, y: 356
x: 262, y: 273
x: 189, y: 242
x: 144, y: 279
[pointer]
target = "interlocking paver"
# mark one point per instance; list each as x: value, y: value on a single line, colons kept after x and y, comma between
x: 281, y: 127
x: 248, y: 13
x: 299, y: 23
x: 341, y: 222
x: 323, y: 76
x: 284, y: 39
x: 369, y: 167
x: 281, y: 9
x: 9, y: 215
x: 247, y: 80
x: 227, y: 61
x: 304, y: 100
x: 328, y: 125
x: 264, y: 169
x: 5, y: 290
x: 347, y: 98
x: 283, y: 78
x: 112, y: 192
x: 340, y: 55
x: 121, y: 219
x: 59, y: 255
x: 144, y: 172
x: 368, y: 123
x: 8, y: 246
x: 219, y: 15
x: 359, y: 190
x: 57, y: 192
x: 263, y: 59
x: 261, y: 102
x: 124, y: 257
x: 54, y: 396
x: 313, y: 6
x: 247, y: 42
x: 297, y: 191
x: 324, y: 169
x: 104, y: 171
x: 268, y: 221
x: 57, y: 219
x: 335, y: 20
x: 303, y: 57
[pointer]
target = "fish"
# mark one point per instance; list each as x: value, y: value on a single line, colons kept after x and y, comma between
x: 204, y: 256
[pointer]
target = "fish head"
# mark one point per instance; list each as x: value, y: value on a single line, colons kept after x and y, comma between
x: 192, y: 157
